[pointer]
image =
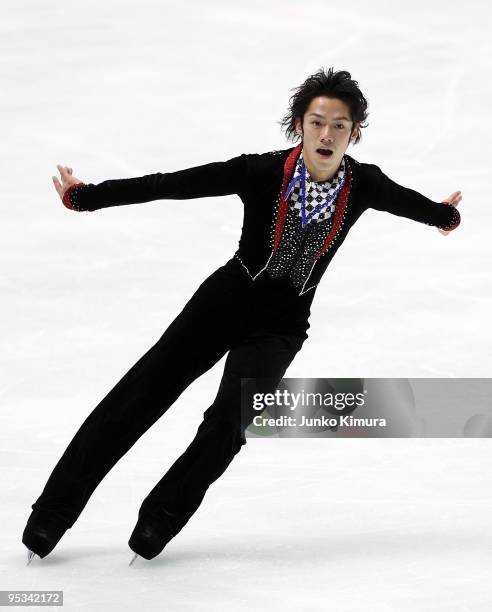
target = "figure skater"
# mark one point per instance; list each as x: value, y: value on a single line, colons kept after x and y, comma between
x: 299, y: 205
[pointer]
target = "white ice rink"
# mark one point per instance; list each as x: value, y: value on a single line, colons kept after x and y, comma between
x: 121, y: 89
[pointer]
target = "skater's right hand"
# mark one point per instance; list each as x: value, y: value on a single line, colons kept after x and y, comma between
x: 454, y: 199
x: 67, y: 180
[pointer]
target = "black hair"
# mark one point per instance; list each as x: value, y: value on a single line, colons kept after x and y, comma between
x: 333, y: 85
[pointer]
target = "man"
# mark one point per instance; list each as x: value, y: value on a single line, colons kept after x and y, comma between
x: 299, y: 204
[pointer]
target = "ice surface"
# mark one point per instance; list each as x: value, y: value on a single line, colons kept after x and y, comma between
x: 121, y: 89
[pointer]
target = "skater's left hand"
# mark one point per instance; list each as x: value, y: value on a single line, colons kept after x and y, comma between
x: 454, y: 199
x: 67, y: 180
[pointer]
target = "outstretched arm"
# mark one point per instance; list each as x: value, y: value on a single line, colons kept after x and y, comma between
x: 208, y: 180
x: 384, y: 194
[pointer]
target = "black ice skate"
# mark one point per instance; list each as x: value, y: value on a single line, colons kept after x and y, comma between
x: 148, y: 538
x: 42, y: 533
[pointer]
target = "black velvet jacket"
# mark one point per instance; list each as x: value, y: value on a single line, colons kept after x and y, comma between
x: 260, y: 181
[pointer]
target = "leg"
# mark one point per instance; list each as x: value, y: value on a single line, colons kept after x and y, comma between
x: 172, y: 502
x: 192, y: 344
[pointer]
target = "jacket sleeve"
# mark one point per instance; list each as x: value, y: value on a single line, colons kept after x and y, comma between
x: 384, y: 194
x: 208, y: 180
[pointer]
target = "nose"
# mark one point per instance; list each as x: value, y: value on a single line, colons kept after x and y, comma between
x: 326, y: 136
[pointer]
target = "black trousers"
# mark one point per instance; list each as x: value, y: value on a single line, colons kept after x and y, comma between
x: 262, y: 323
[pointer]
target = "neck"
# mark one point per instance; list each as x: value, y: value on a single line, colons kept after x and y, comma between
x: 316, y: 174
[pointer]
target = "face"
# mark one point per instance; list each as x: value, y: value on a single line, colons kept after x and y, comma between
x: 327, y: 125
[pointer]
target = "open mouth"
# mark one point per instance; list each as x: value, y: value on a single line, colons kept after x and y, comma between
x: 324, y: 152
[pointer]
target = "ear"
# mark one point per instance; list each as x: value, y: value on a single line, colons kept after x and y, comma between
x: 299, y: 126
x: 354, y: 133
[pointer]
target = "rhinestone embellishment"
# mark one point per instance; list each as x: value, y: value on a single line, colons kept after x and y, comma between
x: 70, y: 197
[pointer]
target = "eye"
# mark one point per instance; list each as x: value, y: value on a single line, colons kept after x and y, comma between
x: 317, y: 122
x: 340, y: 125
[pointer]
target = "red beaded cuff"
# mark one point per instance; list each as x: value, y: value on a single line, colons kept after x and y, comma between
x: 70, y: 197
x: 455, y: 221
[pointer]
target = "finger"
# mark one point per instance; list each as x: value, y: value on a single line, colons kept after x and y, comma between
x: 65, y: 176
x: 57, y: 183
x: 62, y: 170
x: 454, y: 198
x: 58, y: 186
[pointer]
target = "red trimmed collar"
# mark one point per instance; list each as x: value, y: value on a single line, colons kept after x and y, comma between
x: 340, y: 209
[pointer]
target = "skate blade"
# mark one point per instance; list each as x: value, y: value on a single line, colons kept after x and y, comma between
x: 30, y: 556
x: 133, y: 560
